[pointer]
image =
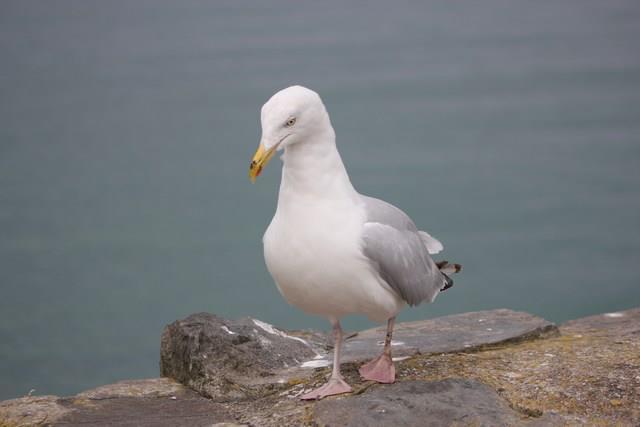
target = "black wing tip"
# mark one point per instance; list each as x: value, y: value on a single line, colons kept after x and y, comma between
x: 448, y: 282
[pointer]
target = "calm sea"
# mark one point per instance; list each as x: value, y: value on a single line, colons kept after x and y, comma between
x: 508, y: 129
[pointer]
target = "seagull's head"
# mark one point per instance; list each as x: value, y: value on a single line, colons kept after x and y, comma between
x: 291, y: 116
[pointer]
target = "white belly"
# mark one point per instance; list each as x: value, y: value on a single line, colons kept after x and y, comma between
x: 315, y: 258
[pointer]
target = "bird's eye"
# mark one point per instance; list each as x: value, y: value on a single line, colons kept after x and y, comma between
x: 290, y: 122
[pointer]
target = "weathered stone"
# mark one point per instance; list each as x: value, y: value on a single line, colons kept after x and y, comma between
x: 185, y: 408
x: 420, y: 403
x: 458, y: 332
x: 31, y: 410
x: 589, y: 374
x: 225, y: 359
x: 153, y: 387
x: 151, y: 402
x: 621, y: 323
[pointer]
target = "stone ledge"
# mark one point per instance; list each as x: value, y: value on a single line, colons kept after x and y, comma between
x: 247, y: 358
x: 453, y: 401
x: 458, y: 332
x: 151, y: 402
x: 458, y: 372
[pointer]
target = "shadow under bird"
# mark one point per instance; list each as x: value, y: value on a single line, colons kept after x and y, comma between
x: 331, y: 250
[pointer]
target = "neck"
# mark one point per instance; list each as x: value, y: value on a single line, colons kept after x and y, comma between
x: 314, y: 168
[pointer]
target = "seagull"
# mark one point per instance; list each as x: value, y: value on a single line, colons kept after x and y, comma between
x: 331, y: 250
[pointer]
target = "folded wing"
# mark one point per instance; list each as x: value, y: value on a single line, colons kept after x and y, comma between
x: 400, y: 252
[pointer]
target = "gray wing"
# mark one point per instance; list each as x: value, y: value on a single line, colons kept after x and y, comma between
x: 385, y: 213
x: 397, y: 250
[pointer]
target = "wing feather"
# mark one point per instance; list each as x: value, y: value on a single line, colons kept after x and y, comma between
x: 400, y: 252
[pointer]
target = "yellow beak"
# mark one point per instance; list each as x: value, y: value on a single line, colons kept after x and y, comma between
x: 260, y: 160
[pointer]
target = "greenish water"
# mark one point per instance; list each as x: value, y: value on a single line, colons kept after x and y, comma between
x: 508, y: 129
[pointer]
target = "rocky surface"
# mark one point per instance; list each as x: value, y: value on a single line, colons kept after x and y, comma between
x: 31, y: 410
x: 153, y: 402
x: 588, y: 374
x: 228, y: 359
x: 453, y: 401
x: 458, y: 332
x: 487, y: 368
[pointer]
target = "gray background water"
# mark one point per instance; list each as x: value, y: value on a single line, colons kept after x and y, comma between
x: 508, y: 129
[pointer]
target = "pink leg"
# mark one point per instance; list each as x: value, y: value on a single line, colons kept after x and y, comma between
x: 381, y: 368
x: 336, y: 384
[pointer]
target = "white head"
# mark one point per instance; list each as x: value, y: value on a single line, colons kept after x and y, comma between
x: 291, y: 116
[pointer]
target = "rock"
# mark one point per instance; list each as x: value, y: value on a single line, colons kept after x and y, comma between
x: 621, y: 323
x: 31, y: 410
x: 225, y: 359
x: 588, y: 374
x: 480, y: 368
x: 458, y: 332
x: 228, y: 359
x: 153, y: 402
x: 420, y: 403
x: 155, y: 387
x: 187, y: 409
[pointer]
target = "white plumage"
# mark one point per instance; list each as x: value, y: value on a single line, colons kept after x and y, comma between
x: 313, y: 251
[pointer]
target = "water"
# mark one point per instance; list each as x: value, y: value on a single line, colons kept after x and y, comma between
x: 509, y: 130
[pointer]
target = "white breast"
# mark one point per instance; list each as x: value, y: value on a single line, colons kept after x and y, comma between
x: 312, y: 250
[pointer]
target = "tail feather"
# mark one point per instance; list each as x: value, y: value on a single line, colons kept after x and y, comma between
x: 447, y: 268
